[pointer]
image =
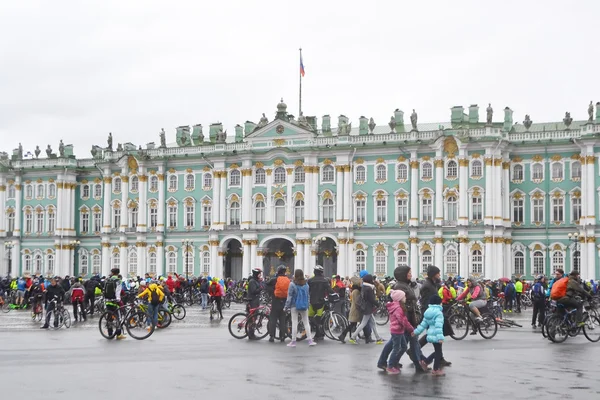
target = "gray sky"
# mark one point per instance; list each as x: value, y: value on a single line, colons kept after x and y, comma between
x: 78, y: 69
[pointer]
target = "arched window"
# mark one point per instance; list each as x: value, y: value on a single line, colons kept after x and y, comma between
x: 576, y: 261
x: 11, y: 192
x: 426, y: 260
x: 83, y: 264
x: 172, y: 213
x: 27, y: 263
x: 207, y: 181
x: 11, y: 221
x: 518, y: 172
x: 537, y: 172
x: 135, y: 184
x: 132, y: 262
x: 39, y: 220
x: 327, y: 173
x: 279, y: 175
x: 154, y: 183
x: 28, y: 220
x: 172, y: 182
x: 172, y: 262
x: 29, y: 191
x: 451, y: 262
x: 279, y: 211
x: 360, y: 210
x: 40, y: 191
x: 381, y: 210
x: 558, y: 261
x: 189, y: 214
x: 96, y: 264
x: 451, y: 210
x: 51, y: 190
x: 299, y: 175
x: 476, y: 262
x: 401, y: 258
x: 234, y: 177
x: 557, y: 171
x: 260, y: 176
x: 51, y: 219
x: 234, y: 213
x: 476, y: 169
x: 381, y: 173
x: 133, y: 220
x: 189, y: 182
x: 361, y: 261
x: 207, y: 213
x: 117, y: 185
x: 38, y: 263
x: 50, y: 264
x: 116, y: 215
x: 538, y: 263
x: 361, y: 174
x: 451, y: 169
x: 84, y: 216
x: 328, y: 211
x: 380, y: 262
x: 575, y: 170
x: 476, y: 208
x: 205, y: 263
x: 152, y: 263
x: 426, y: 171
x: 116, y: 260
x: 97, y: 190
x: 259, y: 212
x: 299, y: 211
x: 402, y: 210
x: 402, y: 172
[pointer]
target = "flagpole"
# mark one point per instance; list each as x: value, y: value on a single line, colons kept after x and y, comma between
x: 300, y: 92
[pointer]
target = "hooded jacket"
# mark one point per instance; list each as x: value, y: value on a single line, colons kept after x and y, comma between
x: 368, y: 295
x: 403, y: 283
x: 355, y: 314
x: 398, y: 321
x: 429, y: 287
x: 433, y: 321
x: 319, y: 288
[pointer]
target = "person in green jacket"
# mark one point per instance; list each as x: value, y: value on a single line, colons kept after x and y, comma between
x: 519, y: 290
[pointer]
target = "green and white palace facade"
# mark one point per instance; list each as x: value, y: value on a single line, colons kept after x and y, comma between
x: 475, y: 196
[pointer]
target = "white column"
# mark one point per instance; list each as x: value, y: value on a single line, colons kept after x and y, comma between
x: 339, y: 196
x: 347, y: 216
x: 217, y: 269
x: 463, y: 196
x: 19, y: 211
x: 142, y: 251
x: 3, y: 260
x: 2, y: 206
x: 123, y: 252
x: 591, y: 195
x: 312, y: 261
x: 439, y: 192
x: 107, y: 211
x: 213, y: 256
x: 351, y: 259
x: 216, y: 203
x: 489, y: 194
x: 246, y: 202
x: 497, y: 199
x: 16, y: 257
x: 246, y: 258
x: 269, y: 197
x: 124, y: 197
x: 142, y: 206
x: 505, y: 196
x: 584, y: 190
x: 314, y: 200
x: 106, y: 256
x: 414, y: 194
x: 253, y: 256
x: 590, y: 269
x: 307, y: 255
x: 342, y: 263
x: 414, y: 257
x: 507, y: 267
x: 289, y: 202
x: 223, y: 207
x: 161, y: 203
x: 463, y: 258
x: 299, y: 261
x: 498, y: 265
x: 488, y: 256
x: 160, y: 256
x: 72, y: 207
x: 439, y: 250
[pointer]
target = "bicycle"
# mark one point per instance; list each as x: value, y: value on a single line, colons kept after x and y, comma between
x: 4, y: 305
x: 496, y: 310
x: 60, y: 314
x: 487, y: 326
x: 164, y: 316
x: 213, y: 309
x: 381, y: 314
x: 37, y: 311
x: 176, y: 310
x: 237, y: 322
x: 136, y: 323
x: 332, y: 323
x: 560, y: 327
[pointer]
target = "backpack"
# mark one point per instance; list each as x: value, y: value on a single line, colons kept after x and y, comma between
x: 302, y: 297
x: 154, y: 297
x: 537, y: 292
x: 281, y: 287
x: 110, y: 289
x: 360, y: 302
x: 559, y: 288
x: 77, y: 294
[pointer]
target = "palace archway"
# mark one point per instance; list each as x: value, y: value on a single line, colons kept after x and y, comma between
x: 232, y: 259
x: 278, y: 251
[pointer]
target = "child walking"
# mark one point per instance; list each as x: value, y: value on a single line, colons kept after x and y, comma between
x: 297, y: 301
x: 398, y: 326
x: 433, y: 322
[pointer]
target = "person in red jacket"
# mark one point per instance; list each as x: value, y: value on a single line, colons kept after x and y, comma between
x: 216, y: 293
x: 171, y: 284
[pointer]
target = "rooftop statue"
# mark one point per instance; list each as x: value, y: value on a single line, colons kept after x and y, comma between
x: 490, y: 113
x: 372, y: 125
x: 20, y: 151
x: 567, y: 119
x: 163, y: 140
x: 527, y: 123
x: 392, y: 124
x: 48, y: 151
x: 61, y: 149
x: 263, y: 121
x: 110, y: 141
x: 591, y: 112
x: 37, y: 151
x: 119, y: 147
x: 413, y: 119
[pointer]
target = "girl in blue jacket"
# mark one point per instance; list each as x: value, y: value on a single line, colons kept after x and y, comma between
x: 433, y: 322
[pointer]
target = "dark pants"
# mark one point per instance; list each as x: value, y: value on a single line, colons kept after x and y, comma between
x: 436, y: 356
x: 115, y: 309
x: 539, y: 312
x: 277, y: 315
x: 219, y: 301
x: 399, y: 347
x: 519, y: 302
x: 414, y: 352
x: 76, y: 304
x: 572, y: 303
x: 51, y: 307
x: 349, y: 329
x: 447, y: 331
x: 90, y: 298
x: 509, y: 301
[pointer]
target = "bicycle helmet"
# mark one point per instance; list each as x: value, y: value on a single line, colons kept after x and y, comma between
x: 539, y: 277
x: 318, y: 269
x: 256, y: 271
x: 281, y: 270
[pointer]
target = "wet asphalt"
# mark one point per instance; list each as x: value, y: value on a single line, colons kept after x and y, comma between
x: 197, y: 358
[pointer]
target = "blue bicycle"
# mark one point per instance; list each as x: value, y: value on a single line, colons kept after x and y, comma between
x: 563, y: 324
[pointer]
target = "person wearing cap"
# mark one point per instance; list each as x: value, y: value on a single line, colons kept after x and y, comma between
x: 398, y: 326
x: 278, y: 286
x: 575, y: 295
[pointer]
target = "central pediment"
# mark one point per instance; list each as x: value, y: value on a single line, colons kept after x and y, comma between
x: 279, y: 129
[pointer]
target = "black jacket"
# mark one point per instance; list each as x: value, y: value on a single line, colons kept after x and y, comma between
x: 54, y: 291
x: 368, y: 295
x: 429, y: 287
x: 254, y: 288
x: 402, y: 283
x: 319, y: 288
x: 91, y: 285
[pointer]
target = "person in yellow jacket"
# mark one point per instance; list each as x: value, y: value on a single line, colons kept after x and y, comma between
x: 447, y: 293
x: 519, y: 290
x: 155, y: 296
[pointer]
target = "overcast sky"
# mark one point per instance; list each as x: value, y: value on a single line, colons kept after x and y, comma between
x: 77, y: 70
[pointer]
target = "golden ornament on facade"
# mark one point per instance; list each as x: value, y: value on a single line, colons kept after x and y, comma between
x: 327, y: 161
x: 401, y: 159
x: 556, y: 157
x: 537, y: 158
x: 132, y: 164
x: 380, y: 195
x: 122, y: 244
x: 497, y: 162
x: 289, y: 170
x: 360, y: 196
x: 359, y: 246
x: 28, y: 181
x: 259, y: 197
x: 475, y: 155
x: 450, y: 145
x: 426, y: 194
x: 298, y: 163
x: 476, y: 192
x: 538, y: 195
x: 489, y: 162
x: 279, y: 142
x: 557, y: 247
x: 278, y: 162
x: 268, y: 171
x: 213, y: 242
x: 401, y: 195
x: 413, y: 240
x: 414, y: 164
x: 476, y: 247
x: 488, y: 239
x: 438, y: 163
x: 172, y: 170
x: 327, y: 194
x: 379, y: 247
x: 557, y: 194
x: 591, y: 239
x: 426, y: 247
x: 426, y: 158
x: 258, y: 164
x: 380, y: 160
x: 124, y: 179
x: 518, y: 195
x: 359, y: 161
x: 506, y: 165
x: 590, y: 159
x: 299, y: 196
x: 438, y: 240
x: 577, y: 194
x: 234, y: 166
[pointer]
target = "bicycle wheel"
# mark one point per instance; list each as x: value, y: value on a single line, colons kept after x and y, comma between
x: 5, y: 307
x: 108, y: 324
x: 257, y: 326
x: 164, y: 319
x: 65, y: 319
x: 591, y: 329
x: 300, y: 332
x: 460, y: 326
x: 138, y: 325
x: 488, y: 327
x: 226, y: 301
x: 237, y: 325
x: 555, y: 329
x: 381, y: 316
x: 335, y: 325
x: 178, y: 312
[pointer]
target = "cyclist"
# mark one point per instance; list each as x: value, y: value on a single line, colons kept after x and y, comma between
x: 254, y: 288
x: 90, y: 292
x: 53, y: 292
x: 319, y: 288
x: 37, y: 293
x: 20, y: 291
x: 112, y: 293
x: 216, y: 294
x: 278, y: 286
x: 77, y: 297
x: 155, y: 296
x: 478, y: 297
x: 539, y: 301
x: 575, y: 294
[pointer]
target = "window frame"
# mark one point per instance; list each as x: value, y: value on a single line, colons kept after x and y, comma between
x: 328, y: 174
x: 363, y: 172
x: 260, y: 176
x: 451, y: 167
x: 474, y: 174
x: 260, y: 207
x: 518, y: 258
x: 279, y: 211
x: 402, y: 168
x: 279, y: 176
x: 235, y: 178
x: 426, y: 165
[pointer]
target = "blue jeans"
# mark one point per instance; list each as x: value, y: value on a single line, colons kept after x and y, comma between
x: 153, y: 314
x: 395, y: 349
x: 204, y: 300
x: 414, y: 346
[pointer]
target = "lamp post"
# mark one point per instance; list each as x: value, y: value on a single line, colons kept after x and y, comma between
x: 74, y: 245
x: 8, y: 246
x: 186, y: 243
x: 574, y: 237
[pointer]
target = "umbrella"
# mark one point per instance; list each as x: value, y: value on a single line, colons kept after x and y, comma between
x: 504, y: 279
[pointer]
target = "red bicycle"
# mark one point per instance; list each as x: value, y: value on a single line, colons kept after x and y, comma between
x: 255, y: 318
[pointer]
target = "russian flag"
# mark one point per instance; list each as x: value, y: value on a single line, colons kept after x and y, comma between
x: 301, y: 66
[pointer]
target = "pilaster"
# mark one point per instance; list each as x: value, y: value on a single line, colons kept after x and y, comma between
x: 414, y: 194
x: 439, y: 190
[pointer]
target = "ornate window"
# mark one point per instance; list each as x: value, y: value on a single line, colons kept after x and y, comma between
x: 85, y: 191
x: 576, y: 261
x: 380, y: 173
x: 537, y: 205
x: 27, y: 262
x: 476, y: 169
x: 39, y: 220
x: 28, y: 220
x: 402, y: 172
x: 40, y: 191
x: 361, y: 261
x: 172, y: 183
x: 208, y: 180
x: 190, y: 212
x: 116, y: 215
x: 117, y: 185
x: 327, y: 173
x: 172, y: 262
x: 38, y: 263
x: 538, y: 263
x: 135, y: 184
x: 380, y: 262
x: 517, y: 172
x: 83, y: 264
x: 29, y: 192
x: 279, y: 211
x: 476, y: 262
x: 206, y: 214
x: 451, y: 262
x: 426, y: 260
x: 97, y: 191
x: 205, y: 262
x: 518, y: 214
x: 11, y: 192
x: 279, y: 176
x: 519, y: 263
x: 153, y: 216
x: 360, y: 174
x: 260, y: 178
x: 190, y: 182
x: 154, y: 183
x: 132, y: 262
x: 381, y: 210
x: 558, y: 210
x: 299, y: 175
x: 426, y: 209
x: 152, y: 262
x: 299, y: 211
x: 116, y: 260
x: 360, y: 212
x: 133, y: 216
x: 234, y: 213
x: 51, y: 191
x: 401, y: 210
x: 85, y: 220
x: 259, y: 212
x: 96, y: 264
x: 451, y: 170
x: 97, y: 220
x: 426, y: 170
x: 557, y: 171
x: 575, y: 170
x: 558, y: 261
x: 172, y: 213
x: 537, y: 172
x: 328, y: 211
x: 401, y: 258
x: 476, y: 208
x: 575, y: 208
x: 235, y: 177
x: 451, y: 210
x: 11, y: 221
x: 50, y: 264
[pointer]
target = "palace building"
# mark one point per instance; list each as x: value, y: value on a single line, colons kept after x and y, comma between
x: 488, y: 198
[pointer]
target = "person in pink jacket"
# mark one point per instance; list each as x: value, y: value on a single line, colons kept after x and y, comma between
x: 399, y: 325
